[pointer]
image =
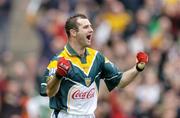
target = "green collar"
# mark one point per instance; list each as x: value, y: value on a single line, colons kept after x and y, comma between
x: 72, y: 52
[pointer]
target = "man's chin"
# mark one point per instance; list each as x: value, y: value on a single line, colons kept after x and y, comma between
x: 88, y: 44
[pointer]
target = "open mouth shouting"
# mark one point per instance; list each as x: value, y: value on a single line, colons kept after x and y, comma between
x: 89, y: 37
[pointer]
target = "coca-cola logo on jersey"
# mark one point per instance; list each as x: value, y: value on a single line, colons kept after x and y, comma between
x: 83, y: 94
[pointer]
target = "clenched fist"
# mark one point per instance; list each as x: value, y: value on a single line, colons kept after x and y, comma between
x: 63, y: 66
x: 142, y: 59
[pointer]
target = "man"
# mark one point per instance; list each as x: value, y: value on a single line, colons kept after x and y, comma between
x: 72, y: 77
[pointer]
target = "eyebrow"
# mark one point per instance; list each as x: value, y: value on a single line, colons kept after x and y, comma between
x: 88, y: 25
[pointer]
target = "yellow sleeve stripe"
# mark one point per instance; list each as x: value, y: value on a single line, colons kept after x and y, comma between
x: 52, y: 64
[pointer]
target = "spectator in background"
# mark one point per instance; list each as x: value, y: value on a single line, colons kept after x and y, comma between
x: 116, y: 16
x: 132, y: 5
x: 37, y: 107
x: 172, y: 11
x: 49, y: 25
x: 11, y: 106
x: 147, y: 94
x: 138, y: 41
x: 5, y: 15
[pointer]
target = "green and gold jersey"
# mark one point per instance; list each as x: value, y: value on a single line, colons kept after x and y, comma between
x: 78, y: 91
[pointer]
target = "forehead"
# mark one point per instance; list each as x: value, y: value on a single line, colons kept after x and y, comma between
x: 83, y: 22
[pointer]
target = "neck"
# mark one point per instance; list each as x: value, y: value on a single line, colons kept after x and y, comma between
x: 77, y: 47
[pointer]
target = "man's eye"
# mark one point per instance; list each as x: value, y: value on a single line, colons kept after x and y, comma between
x: 85, y: 27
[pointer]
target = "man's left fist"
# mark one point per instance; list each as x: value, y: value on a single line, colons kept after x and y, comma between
x: 142, y: 59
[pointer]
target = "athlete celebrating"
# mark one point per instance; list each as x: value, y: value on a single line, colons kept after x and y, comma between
x: 72, y: 77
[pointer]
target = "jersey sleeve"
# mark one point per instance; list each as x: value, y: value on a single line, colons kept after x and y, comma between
x: 111, y: 74
x: 48, y: 74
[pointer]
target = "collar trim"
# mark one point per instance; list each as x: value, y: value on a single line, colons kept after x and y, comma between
x: 72, y: 52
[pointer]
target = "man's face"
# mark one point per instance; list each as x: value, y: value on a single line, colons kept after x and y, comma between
x: 84, y: 33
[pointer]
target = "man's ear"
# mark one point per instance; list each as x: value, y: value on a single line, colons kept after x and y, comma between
x: 73, y: 32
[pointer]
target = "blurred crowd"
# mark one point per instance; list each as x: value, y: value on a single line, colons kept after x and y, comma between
x: 121, y: 29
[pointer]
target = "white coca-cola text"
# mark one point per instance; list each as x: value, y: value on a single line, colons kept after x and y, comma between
x: 83, y: 94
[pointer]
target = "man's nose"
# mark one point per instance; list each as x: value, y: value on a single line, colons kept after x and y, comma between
x: 91, y: 30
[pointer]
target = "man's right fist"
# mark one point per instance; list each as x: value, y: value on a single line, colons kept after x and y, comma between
x: 63, y: 66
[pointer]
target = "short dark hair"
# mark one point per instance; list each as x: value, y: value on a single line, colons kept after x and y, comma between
x: 71, y: 23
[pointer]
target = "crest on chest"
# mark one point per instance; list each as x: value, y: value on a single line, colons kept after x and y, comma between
x: 87, y: 81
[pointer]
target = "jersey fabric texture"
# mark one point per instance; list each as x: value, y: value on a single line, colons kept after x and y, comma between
x: 78, y: 92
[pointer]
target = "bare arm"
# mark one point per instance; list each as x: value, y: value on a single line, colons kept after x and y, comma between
x: 53, y: 86
x: 54, y: 82
x: 127, y: 77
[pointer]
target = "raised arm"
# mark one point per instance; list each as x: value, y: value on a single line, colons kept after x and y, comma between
x: 129, y: 75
